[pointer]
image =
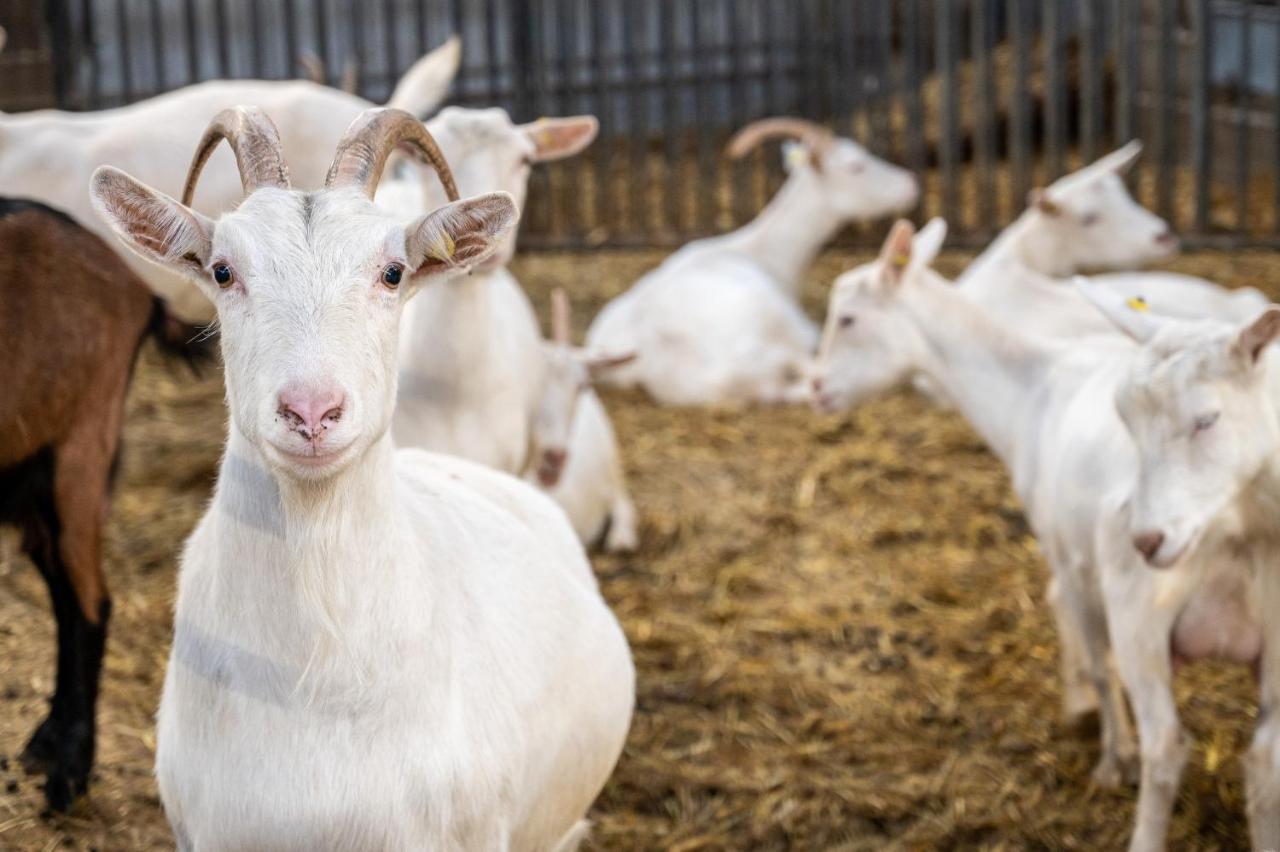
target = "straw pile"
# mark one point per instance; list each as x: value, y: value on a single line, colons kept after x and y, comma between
x: 838, y: 624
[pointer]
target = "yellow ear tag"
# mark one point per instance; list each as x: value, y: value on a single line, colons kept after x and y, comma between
x: 443, y: 248
x: 900, y: 260
x: 797, y: 156
x: 1138, y: 303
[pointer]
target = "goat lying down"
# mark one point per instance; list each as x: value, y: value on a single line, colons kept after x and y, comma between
x: 49, y: 155
x: 72, y: 317
x: 1200, y: 402
x: 718, y: 322
x: 573, y: 450
x: 413, y: 644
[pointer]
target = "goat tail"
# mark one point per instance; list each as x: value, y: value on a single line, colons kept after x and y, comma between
x: 193, y: 345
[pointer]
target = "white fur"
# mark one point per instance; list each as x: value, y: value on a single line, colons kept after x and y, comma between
x: 49, y: 155
x: 718, y: 321
x: 373, y: 648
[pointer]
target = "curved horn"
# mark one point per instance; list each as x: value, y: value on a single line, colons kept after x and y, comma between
x: 817, y: 137
x: 369, y: 141
x: 560, y: 316
x: 256, y: 144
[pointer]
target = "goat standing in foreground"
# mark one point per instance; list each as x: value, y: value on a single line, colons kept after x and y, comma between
x: 573, y: 451
x: 373, y: 648
x: 72, y: 317
x: 719, y: 322
x: 1042, y: 406
x: 1201, y: 401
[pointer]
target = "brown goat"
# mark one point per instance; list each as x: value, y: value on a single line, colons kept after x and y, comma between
x: 72, y: 317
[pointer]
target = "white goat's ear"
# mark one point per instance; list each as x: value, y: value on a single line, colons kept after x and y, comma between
x: 425, y: 85
x: 1255, y: 337
x: 602, y: 362
x: 927, y: 244
x: 1038, y: 199
x: 557, y: 138
x: 4, y: 36
x: 460, y: 235
x: 1129, y: 314
x: 895, y: 254
x: 151, y: 223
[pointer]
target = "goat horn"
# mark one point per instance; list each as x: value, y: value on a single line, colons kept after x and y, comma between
x: 256, y: 143
x: 560, y: 316
x: 369, y: 141
x: 817, y: 137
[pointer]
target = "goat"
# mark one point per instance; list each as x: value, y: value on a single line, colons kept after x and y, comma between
x: 718, y: 322
x: 573, y: 451
x: 72, y: 318
x: 1043, y: 407
x: 1199, y: 400
x: 49, y: 155
x: 471, y: 354
x: 1088, y: 220
x: 415, y: 642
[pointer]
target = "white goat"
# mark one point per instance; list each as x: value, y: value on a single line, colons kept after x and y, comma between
x: 374, y: 649
x: 1200, y: 402
x: 471, y: 355
x: 718, y: 322
x: 49, y: 155
x: 573, y: 451
x: 1088, y: 220
x: 1043, y: 407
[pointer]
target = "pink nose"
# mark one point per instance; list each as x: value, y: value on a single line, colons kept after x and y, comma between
x: 555, y: 458
x: 1168, y: 238
x: 310, y: 409
x: 817, y: 384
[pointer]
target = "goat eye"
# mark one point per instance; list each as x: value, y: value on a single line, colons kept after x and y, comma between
x: 1203, y: 422
x: 846, y: 321
x: 392, y: 274
x: 1089, y: 219
x: 222, y: 275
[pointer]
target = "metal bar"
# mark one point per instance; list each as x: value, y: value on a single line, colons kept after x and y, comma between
x: 604, y: 146
x: 521, y: 59
x: 157, y: 43
x: 668, y: 28
x: 633, y: 22
x: 458, y: 13
x: 492, y: 53
x: 258, y: 33
x: 390, y: 47
x: 356, y: 23
x: 980, y: 59
x: 1275, y: 116
x: 290, y: 12
x: 223, y: 46
x: 126, y: 51
x: 569, y: 204
x: 322, y: 36
x: 1019, y: 110
x: 705, y: 218
x: 93, y: 96
x: 1201, y: 133
x: 914, y: 52
x: 1164, y: 104
x: 1089, y: 97
x: 945, y: 68
x: 739, y: 112
x: 1054, y: 124
x: 1243, y: 107
x: 192, y: 35
x: 890, y: 86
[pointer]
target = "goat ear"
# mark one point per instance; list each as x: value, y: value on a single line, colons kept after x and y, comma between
x: 927, y: 243
x: 602, y: 362
x: 557, y: 138
x: 895, y: 254
x: 1129, y: 314
x: 151, y: 223
x: 1039, y: 199
x: 460, y: 235
x: 422, y: 88
x: 1254, y: 338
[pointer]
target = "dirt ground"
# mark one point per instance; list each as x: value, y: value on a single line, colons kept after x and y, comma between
x: 838, y: 624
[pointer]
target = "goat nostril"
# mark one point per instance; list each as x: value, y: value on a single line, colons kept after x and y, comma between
x: 1148, y: 543
x: 333, y: 415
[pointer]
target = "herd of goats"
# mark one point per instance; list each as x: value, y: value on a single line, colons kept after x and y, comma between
x: 384, y: 648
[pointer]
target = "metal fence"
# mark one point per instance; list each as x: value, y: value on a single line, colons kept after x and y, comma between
x: 984, y: 98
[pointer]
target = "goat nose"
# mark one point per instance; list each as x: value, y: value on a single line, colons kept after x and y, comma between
x: 817, y: 384
x: 311, y: 408
x: 1167, y: 238
x: 556, y: 457
x: 1148, y: 543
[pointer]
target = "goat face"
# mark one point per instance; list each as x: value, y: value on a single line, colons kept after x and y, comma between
x: 493, y: 154
x: 859, y: 185
x: 308, y: 289
x: 1196, y: 403
x: 1088, y: 220
x: 570, y: 372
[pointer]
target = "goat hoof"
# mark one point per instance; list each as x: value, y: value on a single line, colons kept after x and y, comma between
x: 41, y: 750
x: 624, y: 541
x: 1083, y: 721
x: 61, y: 790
